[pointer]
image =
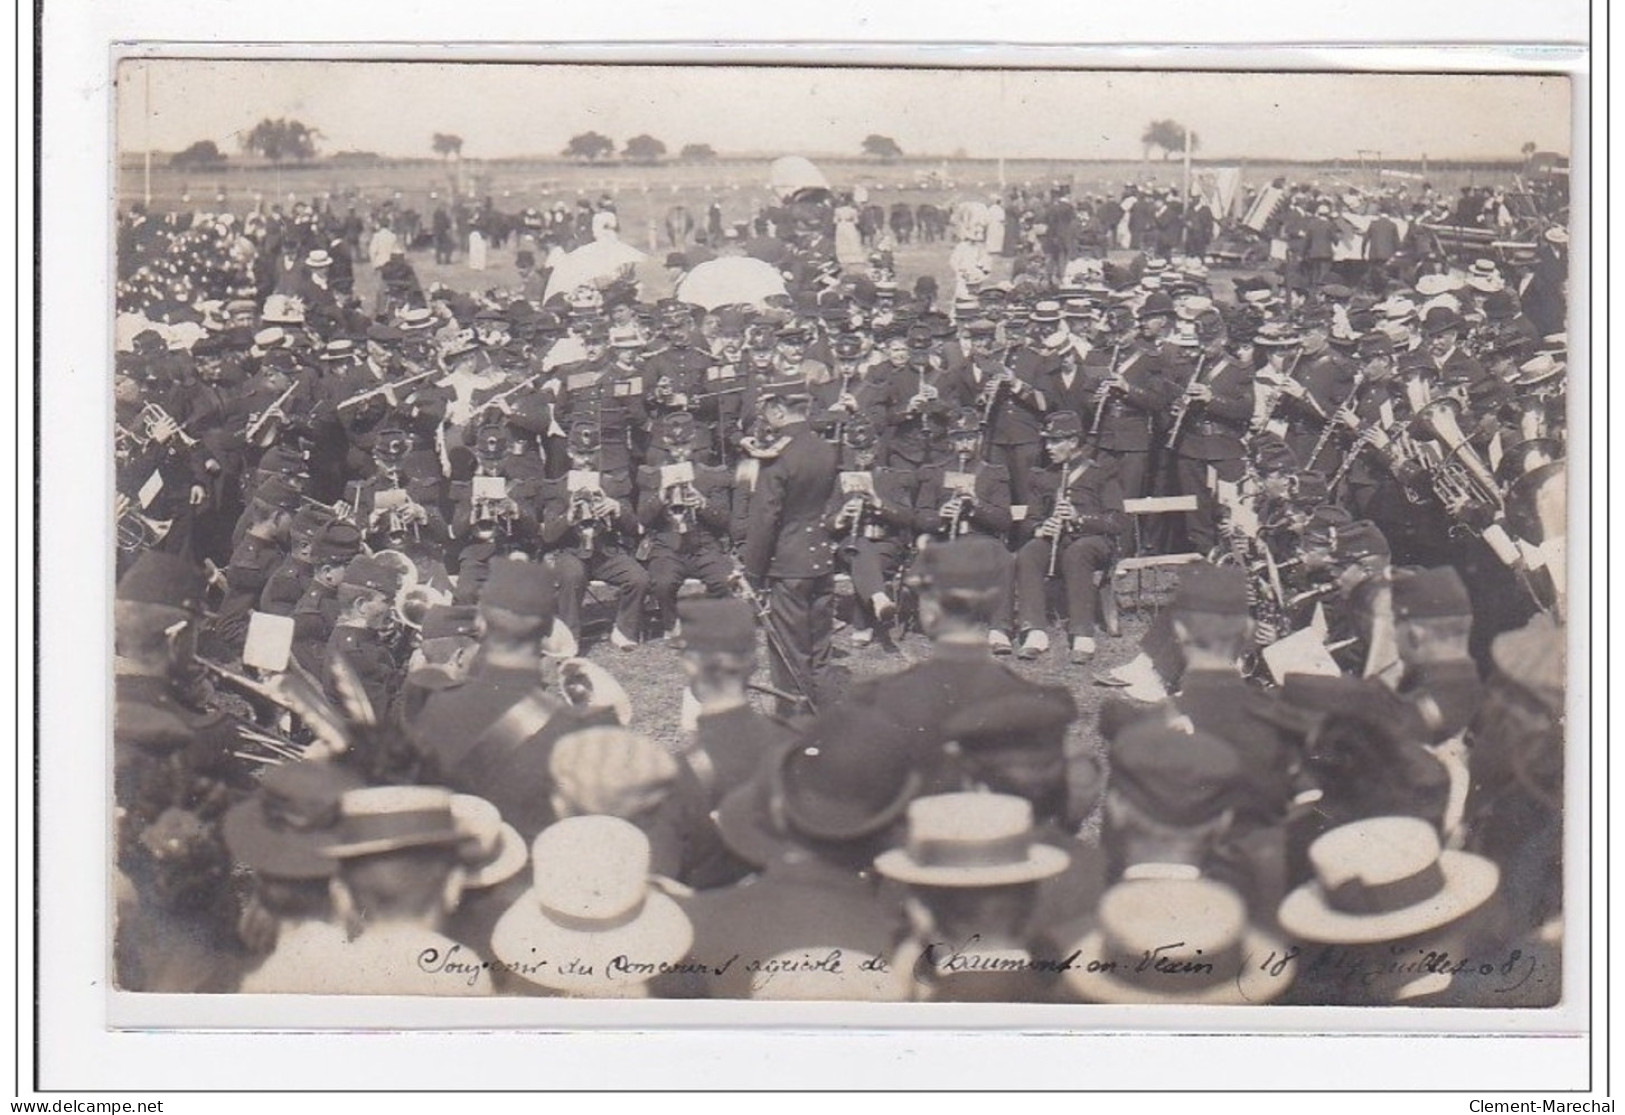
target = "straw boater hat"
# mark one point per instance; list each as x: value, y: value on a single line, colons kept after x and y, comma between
x: 971, y: 840
x: 494, y: 852
x: 591, y: 900
x: 1384, y: 879
x: 1206, y: 953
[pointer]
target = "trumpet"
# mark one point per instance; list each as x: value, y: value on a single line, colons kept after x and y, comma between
x: 586, y: 520
x: 1104, y: 393
x: 160, y: 427
x: 1183, y: 406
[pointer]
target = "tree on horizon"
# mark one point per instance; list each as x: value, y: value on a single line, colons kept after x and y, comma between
x: 590, y: 146
x: 643, y: 149
x: 697, y: 152
x: 447, y: 146
x: 881, y: 147
x: 281, y: 139
x: 203, y: 153
x: 1169, y: 135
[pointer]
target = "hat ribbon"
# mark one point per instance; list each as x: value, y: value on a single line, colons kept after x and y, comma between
x: 1355, y: 896
x: 299, y: 815
x: 999, y: 852
x: 581, y: 924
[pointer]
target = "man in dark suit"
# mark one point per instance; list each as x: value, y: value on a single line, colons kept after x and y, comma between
x: 1444, y: 328
x: 1379, y: 245
x: 787, y: 549
x: 491, y: 732
x: 1141, y: 390
x: 968, y: 497
x: 1009, y: 388
x: 1218, y: 402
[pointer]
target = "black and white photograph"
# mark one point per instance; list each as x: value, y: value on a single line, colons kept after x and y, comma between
x: 1081, y: 537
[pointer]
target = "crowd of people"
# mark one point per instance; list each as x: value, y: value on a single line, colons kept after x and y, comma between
x: 358, y: 746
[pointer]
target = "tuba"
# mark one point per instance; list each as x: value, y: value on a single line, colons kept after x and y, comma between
x: 1460, y: 478
x: 136, y: 532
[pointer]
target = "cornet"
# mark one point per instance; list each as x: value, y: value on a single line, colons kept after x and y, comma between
x: 160, y: 427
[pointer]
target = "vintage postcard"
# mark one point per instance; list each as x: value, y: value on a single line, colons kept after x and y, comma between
x: 1080, y: 538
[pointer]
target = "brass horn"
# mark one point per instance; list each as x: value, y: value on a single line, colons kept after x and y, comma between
x: 1462, y: 480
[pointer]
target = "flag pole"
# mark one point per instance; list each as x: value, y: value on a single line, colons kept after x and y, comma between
x: 146, y: 162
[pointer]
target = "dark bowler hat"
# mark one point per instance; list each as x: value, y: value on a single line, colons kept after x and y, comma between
x: 1430, y: 594
x: 1373, y: 345
x: 337, y: 544
x: 1062, y: 424
x: 1180, y: 777
x: 163, y: 578
x: 725, y: 626
x: 1218, y: 589
x: 850, y: 777
x: 920, y: 340
x: 1157, y: 304
x: 526, y: 588
x: 384, y: 334
x: 285, y: 829
x: 975, y: 564
x: 1440, y: 319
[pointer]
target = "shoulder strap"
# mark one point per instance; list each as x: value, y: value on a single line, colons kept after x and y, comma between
x: 522, y: 720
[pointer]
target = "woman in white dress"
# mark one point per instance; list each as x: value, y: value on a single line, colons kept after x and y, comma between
x: 848, y: 241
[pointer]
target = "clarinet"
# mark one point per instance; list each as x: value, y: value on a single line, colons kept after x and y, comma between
x: 1183, y: 407
x: 1105, y: 392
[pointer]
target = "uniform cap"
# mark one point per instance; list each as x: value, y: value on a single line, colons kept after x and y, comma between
x: 965, y: 565
x: 1181, y: 777
x: 1217, y: 589
x: 278, y: 491
x: 677, y: 428
x: 724, y: 626
x: 369, y: 572
x: 337, y: 544
x: 163, y: 578
x: 859, y: 433
x: 526, y: 588
x: 1431, y: 593
x: 1359, y: 540
x: 585, y: 436
x: 965, y: 420
x: 448, y: 621
x: 1063, y: 424
x: 309, y: 522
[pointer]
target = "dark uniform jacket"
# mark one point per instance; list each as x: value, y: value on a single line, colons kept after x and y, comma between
x: 892, y: 520
x: 1126, y: 426
x: 989, y: 514
x: 559, y: 533
x: 708, y: 526
x: 373, y: 660
x: 1018, y: 412
x: 915, y: 434
x: 1096, y: 496
x: 613, y: 400
x: 1213, y: 431
x: 786, y: 537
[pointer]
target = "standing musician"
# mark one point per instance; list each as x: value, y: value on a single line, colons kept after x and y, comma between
x: 913, y: 406
x: 1075, y: 382
x: 1005, y: 388
x: 1128, y: 391
x: 787, y: 552
x: 1209, y: 422
x: 871, y: 517
x: 686, y: 511
x: 966, y: 496
x: 1074, y: 539
x: 607, y: 394
x: 587, y: 526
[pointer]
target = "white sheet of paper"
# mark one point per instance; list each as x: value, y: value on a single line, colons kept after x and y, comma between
x: 1302, y: 652
x: 490, y: 487
x: 270, y: 641
x: 853, y: 483
x: 582, y: 480
x: 149, y: 491
x: 681, y: 473
x: 390, y: 499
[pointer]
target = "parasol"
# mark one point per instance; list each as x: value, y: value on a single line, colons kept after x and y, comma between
x: 592, y: 265
x: 724, y: 282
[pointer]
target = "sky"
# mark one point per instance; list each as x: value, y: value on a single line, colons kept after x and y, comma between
x: 395, y: 108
